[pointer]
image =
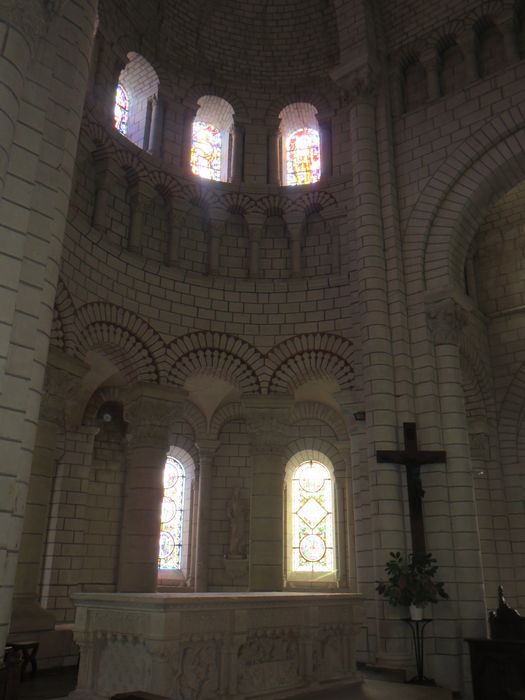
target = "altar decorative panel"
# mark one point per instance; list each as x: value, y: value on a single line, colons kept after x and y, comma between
x: 196, y: 646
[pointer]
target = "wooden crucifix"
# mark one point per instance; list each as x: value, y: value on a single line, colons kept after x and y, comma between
x: 413, y: 459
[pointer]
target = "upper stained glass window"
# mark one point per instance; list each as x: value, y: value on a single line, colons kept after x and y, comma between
x: 206, y: 151
x: 312, y: 519
x: 121, y: 111
x: 172, y: 518
x: 303, y: 160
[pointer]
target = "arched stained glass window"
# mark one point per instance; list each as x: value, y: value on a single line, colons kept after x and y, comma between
x: 172, y: 518
x: 206, y: 151
x: 121, y: 111
x: 313, y: 549
x: 303, y: 160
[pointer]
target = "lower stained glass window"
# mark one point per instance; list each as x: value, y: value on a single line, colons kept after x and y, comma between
x: 172, y: 518
x: 303, y: 160
x: 312, y: 519
x: 206, y: 151
x: 121, y: 111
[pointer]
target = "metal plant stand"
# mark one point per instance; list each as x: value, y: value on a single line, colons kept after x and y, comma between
x: 417, y: 627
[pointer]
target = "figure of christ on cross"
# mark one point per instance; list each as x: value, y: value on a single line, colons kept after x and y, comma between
x: 413, y: 459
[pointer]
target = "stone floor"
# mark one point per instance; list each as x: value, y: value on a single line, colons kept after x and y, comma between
x: 58, y: 683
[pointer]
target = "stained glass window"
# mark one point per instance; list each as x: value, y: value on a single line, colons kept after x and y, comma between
x: 121, y: 111
x: 303, y: 160
x: 172, y: 518
x: 312, y: 519
x: 206, y: 151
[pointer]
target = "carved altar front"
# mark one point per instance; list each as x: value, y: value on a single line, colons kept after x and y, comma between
x: 195, y: 646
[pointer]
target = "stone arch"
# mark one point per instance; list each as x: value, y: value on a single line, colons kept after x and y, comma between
x: 304, y: 410
x: 309, y: 356
x: 191, y: 99
x: 226, y: 413
x: 311, y: 448
x: 218, y: 354
x: 126, y: 339
x: 63, y: 326
x: 99, y: 398
x: 313, y: 96
x: 196, y: 419
x: 457, y: 196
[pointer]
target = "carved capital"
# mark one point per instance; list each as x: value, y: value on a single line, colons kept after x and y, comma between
x: 267, y: 423
x: 447, y: 321
x: 149, y: 410
x: 479, y: 446
x: 359, y: 84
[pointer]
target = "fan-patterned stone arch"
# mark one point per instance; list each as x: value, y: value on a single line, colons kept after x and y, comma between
x: 221, y: 355
x: 309, y: 356
x: 126, y: 339
x: 225, y: 414
x: 196, y: 418
x: 63, y: 326
x: 308, y: 410
x: 315, y: 202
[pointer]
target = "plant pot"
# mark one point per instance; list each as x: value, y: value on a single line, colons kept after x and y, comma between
x: 416, y: 613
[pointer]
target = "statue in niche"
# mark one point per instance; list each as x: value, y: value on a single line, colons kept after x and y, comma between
x: 236, y: 516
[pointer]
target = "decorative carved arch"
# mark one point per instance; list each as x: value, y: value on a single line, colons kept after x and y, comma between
x: 99, y: 398
x: 63, y: 327
x: 274, y: 205
x: 126, y: 339
x: 305, y: 410
x: 309, y: 356
x: 225, y: 414
x: 196, y: 418
x: 218, y: 354
x: 237, y: 203
x: 314, y: 445
x: 315, y: 202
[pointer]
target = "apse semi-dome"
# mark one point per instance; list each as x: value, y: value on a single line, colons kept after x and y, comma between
x: 255, y: 40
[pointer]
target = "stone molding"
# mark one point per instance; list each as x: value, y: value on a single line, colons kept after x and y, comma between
x: 149, y: 410
x: 447, y: 321
x: 358, y: 83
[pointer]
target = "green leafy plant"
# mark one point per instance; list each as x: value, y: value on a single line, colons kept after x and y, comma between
x: 411, y: 581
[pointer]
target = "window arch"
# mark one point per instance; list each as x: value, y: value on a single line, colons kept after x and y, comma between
x: 311, y: 525
x: 301, y: 144
x: 212, y: 139
x: 139, y: 83
x: 176, y: 517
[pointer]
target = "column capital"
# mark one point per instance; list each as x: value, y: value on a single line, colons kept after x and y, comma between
x: 149, y: 409
x: 267, y: 422
x: 359, y: 83
x: 207, y: 449
x: 61, y: 385
x: 447, y: 321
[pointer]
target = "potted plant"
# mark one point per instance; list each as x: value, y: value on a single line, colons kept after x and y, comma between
x: 411, y: 582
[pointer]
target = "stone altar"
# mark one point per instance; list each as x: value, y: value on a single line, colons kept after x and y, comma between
x: 195, y: 646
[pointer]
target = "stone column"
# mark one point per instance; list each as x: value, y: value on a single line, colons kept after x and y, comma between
x: 274, y: 159
x: 396, y: 87
x: 104, y: 167
x: 207, y: 449
x: 216, y: 229
x: 32, y: 222
x: 21, y: 26
x: 325, y: 144
x: 267, y: 419
x: 175, y: 221
x: 431, y: 63
x: 447, y: 321
x: 255, y: 221
x: 188, y: 118
x: 157, y: 123
x: 136, y: 224
x: 507, y: 26
x: 295, y: 231
x: 62, y: 374
x: 468, y: 44
x: 238, y: 154
x: 149, y: 410
x: 385, y: 495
